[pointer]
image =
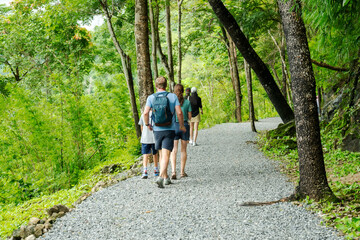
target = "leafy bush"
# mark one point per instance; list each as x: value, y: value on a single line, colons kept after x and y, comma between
x: 49, y: 141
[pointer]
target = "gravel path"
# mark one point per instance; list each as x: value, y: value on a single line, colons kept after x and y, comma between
x: 224, y: 171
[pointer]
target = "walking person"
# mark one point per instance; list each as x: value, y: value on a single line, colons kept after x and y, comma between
x: 184, y: 136
x: 164, y: 106
x: 187, y: 93
x: 196, y: 107
x: 147, y: 148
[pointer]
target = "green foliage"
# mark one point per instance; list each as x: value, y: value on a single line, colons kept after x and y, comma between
x: 12, y: 216
x: 335, y: 24
x: 47, y: 146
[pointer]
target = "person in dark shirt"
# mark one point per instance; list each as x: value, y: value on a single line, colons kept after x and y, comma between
x: 196, y: 107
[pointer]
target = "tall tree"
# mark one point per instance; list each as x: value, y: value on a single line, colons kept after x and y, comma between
x: 250, y: 95
x: 126, y: 64
x: 259, y: 67
x: 313, y: 182
x: 162, y: 56
x: 179, y: 40
x: 153, y: 24
x: 234, y: 71
x: 169, y: 46
x: 22, y: 50
x: 146, y: 86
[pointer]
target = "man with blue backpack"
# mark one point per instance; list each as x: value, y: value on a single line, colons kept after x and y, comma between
x: 164, y: 106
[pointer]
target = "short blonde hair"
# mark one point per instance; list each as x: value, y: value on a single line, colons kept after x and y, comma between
x: 161, y: 82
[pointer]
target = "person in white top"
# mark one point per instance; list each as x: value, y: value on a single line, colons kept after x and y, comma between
x: 148, y: 147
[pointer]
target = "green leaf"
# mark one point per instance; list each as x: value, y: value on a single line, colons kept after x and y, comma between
x: 345, y: 2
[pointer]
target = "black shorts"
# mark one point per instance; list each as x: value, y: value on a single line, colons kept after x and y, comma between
x: 164, y: 139
x: 180, y: 134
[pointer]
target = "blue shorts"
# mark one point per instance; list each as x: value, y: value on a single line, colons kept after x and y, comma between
x: 180, y: 134
x: 148, y: 148
x: 164, y: 139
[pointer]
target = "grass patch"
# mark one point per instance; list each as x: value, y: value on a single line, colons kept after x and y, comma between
x: 342, y: 169
x: 13, y: 216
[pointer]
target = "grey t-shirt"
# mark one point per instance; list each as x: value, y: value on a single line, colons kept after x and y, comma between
x: 147, y: 136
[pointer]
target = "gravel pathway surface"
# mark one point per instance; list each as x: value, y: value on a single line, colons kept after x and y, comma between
x: 225, y: 170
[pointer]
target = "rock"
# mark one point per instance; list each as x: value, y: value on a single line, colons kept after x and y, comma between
x: 34, y: 220
x: 30, y: 229
x: 50, y: 220
x: 24, y: 232
x: 83, y: 197
x: 287, y: 129
x: 31, y: 237
x: 16, y: 234
x: 62, y: 208
x: 52, y: 210
x: 112, y: 168
x: 331, y: 106
x: 351, y: 143
x: 60, y: 214
x: 48, y: 225
x: 38, y: 231
x: 55, y: 215
x: 98, y: 186
x: 42, y: 221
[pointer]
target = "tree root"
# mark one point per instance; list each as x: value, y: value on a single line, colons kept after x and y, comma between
x: 290, y: 198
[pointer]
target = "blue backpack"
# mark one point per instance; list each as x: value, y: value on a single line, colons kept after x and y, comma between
x: 161, y: 113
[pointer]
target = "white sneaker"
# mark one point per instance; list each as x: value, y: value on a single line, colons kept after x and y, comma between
x: 194, y: 144
x: 190, y: 142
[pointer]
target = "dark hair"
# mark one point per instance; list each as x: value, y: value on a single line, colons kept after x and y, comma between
x: 194, y: 98
x: 179, y: 91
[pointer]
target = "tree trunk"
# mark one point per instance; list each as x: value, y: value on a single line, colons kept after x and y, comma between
x: 146, y: 86
x: 250, y: 95
x: 313, y: 182
x: 259, y: 67
x: 179, y: 43
x: 162, y: 56
x: 153, y: 38
x: 126, y: 64
x: 234, y: 74
x: 169, y: 45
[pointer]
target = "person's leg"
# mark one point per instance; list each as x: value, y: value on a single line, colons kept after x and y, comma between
x: 145, y: 160
x: 191, y: 132
x: 196, y: 127
x: 183, y: 157
x: 173, y: 159
x: 156, y: 160
x: 167, y: 147
x: 164, y: 163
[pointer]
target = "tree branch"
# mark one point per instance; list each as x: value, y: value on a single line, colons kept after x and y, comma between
x: 324, y: 65
x: 12, y: 70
